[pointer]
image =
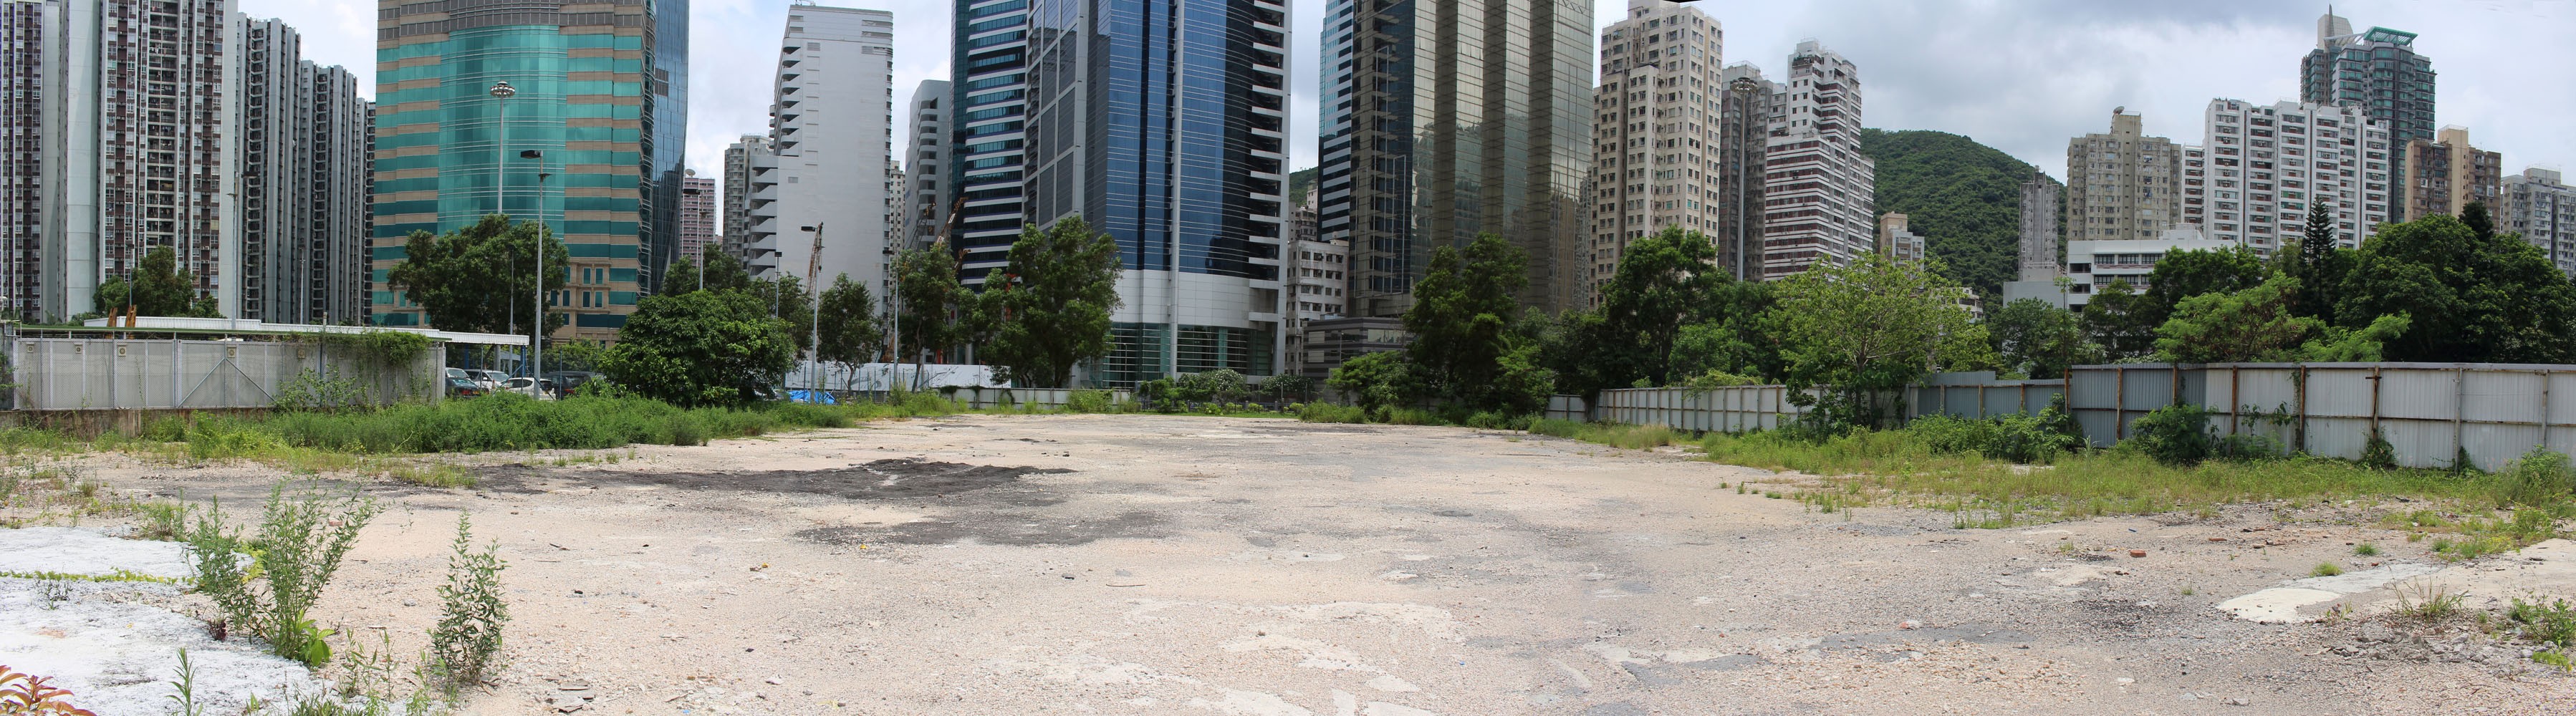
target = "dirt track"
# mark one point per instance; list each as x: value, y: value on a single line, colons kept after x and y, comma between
x: 1173, y: 565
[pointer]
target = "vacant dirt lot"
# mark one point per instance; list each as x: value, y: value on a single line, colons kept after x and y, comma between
x: 1173, y: 565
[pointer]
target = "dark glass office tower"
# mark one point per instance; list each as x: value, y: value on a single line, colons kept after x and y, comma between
x: 988, y: 127
x: 1444, y: 119
x: 1163, y: 123
x: 2377, y: 71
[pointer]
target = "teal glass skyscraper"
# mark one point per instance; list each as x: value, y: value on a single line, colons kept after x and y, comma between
x: 2377, y: 71
x: 592, y: 146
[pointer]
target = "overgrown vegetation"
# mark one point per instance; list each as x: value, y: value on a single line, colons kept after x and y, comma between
x: 28, y: 694
x: 467, y: 640
x: 301, y: 539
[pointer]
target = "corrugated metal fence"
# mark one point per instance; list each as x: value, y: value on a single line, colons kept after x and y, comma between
x: 2431, y: 414
x: 92, y: 374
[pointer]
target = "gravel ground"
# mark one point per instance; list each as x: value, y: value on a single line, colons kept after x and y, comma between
x: 1174, y: 565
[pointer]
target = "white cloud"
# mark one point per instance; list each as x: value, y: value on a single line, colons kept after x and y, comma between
x: 2020, y: 75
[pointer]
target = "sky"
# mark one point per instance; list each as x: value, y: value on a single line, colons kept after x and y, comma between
x: 2023, y: 76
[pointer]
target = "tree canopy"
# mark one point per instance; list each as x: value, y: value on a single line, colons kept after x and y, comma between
x: 1870, y: 328
x: 930, y: 303
x: 1050, y: 306
x: 2474, y: 295
x: 1469, y: 346
x: 481, y: 278
x: 700, y: 348
x: 159, y: 288
x: 2036, y: 339
x: 850, y: 331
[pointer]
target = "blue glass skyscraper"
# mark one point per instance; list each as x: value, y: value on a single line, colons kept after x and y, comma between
x: 988, y: 132
x: 1163, y: 123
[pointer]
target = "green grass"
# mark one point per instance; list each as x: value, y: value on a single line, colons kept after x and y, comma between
x: 2325, y: 569
x: 1632, y: 437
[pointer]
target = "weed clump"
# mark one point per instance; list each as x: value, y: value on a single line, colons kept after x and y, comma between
x: 298, y: 548
x: 464, y: 644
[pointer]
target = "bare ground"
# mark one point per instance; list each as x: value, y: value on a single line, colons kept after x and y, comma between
x: 1173, y: 565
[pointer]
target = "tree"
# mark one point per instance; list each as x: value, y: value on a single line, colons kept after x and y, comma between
x: 1468, y: 342
x: 2117, y: 321
x: 2037, y: 339
x: 1377, y: 381
x: 481, y: 278
x: 2184, y: 274
x: 2471, y: 295
x: 929, y: 299
x: 723, y: 272
x: 159, y: 288
x: 2319, y: 264
x: 700, y: 348
x: 2259, y: 325
x: 1664, y: 283
x: 851, y: 334
x: 1050, y: 306
x: 1869, y: 329
x: 2251, y: 325
x: 786, y: 299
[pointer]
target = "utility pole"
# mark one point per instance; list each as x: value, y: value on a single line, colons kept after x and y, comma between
x: 1744, y: 87
x: 813, y: 263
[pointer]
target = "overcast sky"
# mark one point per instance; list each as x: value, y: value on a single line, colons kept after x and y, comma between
x: 2021, y: 75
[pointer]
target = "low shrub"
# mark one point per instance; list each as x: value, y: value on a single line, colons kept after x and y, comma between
x: 1088, y: 401
x: 2539, y: 478
x: 1497, y: 421
x: 2174, y: 435
x: 1330, y: 413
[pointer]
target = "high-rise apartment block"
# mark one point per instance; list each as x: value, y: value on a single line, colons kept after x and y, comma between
x: 1748, y: 105
x: 586, y: 143
x: 926, y: 189
x: 989, y: 155
x: 828, y: 179
x: 1444, y: 120
x: 1319, y: 282
x: 304, y: 182
x: 739, y: 158
x: 2445, y: 175
x: 697, y: 219
x: 1818, y: 188
x: 2122, y: 185
x: 2539, y: 205
x: 2037, y: 247
x: 1655, y: 156
x: 31, y: 151
x: 1187, y: 172
x: 2263, y: 164
x: 2377, y: 71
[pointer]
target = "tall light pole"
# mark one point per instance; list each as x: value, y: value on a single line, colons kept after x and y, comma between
x: 814, y: 341
x: 501, y: 93
x: 1744, y: 87
x: 537, y: 333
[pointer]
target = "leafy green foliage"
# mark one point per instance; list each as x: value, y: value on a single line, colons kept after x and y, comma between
x: 700, y: 348
x: 929, y: 302
x: 850, y: 331
x: 2251, y: 325
x: 2474, y: 295
x: 1469, y: 345
x: 1869, y: 329
x: 1378, y: 381
x: 2174, y: 435
x: 2184, y: 274
x: 2038, y: 340
x: 299, y: 546
x: 722, y: 272
x: 2117, y: 321
x: 1665, y: 316
x: 464, y: 646
x: 2540, y: 478
x: 1964, y: 197
x: 480, y: 278
x: 158, y: 288
x: 1050, y: 305
x: 1300, y: 182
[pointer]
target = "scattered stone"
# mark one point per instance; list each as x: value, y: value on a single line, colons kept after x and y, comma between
x: 2137, y: 553
x: 2239, y: 701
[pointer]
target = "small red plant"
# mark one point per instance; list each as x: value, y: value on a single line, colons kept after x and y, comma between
x: 27, y: 694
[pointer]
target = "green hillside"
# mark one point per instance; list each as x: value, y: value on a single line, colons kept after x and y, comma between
x: 1298, y: 182
x: 1963, y: 197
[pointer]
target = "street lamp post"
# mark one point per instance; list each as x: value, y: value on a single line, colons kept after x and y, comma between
x: 814, y: 340
x: 1744, y: 87
x: 537, y: 333
x: 501, y: 93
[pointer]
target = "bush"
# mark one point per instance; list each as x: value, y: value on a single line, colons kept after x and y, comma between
x: 1489, y: 420
x: 1088, y: 401
x: 2246, y: 447
x: 2173, y: 435
x: 2029, y: 439
x: 463, y: 646
x: 1330, y: 413
x: 2540, y: 478
x: 301, y: 540
x: 1218, y: 386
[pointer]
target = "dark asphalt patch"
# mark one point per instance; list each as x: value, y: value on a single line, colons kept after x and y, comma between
x: 891, y: 479
x: 998, y: 528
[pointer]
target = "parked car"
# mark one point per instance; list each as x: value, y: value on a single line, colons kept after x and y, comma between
x: 464, y: 388
x: 459, y: 374
x: 542, y: 390
x: 491, y: 379
x: 567, y: 381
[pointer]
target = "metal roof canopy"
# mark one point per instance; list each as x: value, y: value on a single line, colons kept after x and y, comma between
x: 232, y: 326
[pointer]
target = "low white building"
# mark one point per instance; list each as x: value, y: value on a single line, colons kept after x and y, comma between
x: 2093, y: 265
